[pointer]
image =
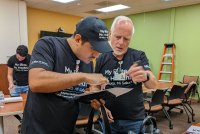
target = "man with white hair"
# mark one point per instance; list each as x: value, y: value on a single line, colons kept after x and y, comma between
x: 127, y: 68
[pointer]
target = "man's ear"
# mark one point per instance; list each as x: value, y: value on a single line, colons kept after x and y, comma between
x: 77, y: 38
x: 109, y: 35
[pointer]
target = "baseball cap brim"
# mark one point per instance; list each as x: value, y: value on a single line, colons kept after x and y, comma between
x: 101, y: 46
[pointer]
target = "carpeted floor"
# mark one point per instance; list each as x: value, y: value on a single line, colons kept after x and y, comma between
x: 179, y: 121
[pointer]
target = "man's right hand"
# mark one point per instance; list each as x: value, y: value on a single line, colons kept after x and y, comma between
x: 96, y: 79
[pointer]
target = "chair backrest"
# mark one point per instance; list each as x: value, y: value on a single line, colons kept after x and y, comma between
x: 158, y: 97
x: 187, y: 79
x: 177, y: 91
x: 190, y: 90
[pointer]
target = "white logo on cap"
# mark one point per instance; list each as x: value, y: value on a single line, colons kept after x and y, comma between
x: 103, y: 34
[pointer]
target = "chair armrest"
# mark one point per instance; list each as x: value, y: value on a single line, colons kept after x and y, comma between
x: 180, y: 82
x: 167, y: 97
x: 148, y: 100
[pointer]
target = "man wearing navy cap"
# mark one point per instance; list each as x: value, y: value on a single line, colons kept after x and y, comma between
x: 59, y: 70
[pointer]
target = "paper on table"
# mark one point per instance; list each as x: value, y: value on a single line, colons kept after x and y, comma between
x: 119, y: 91
x: 194, y: 130
x: 12, y: 99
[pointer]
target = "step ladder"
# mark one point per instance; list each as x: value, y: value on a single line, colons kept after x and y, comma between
x: 166, y: 72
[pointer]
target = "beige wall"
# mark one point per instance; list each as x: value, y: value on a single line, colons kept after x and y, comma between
x: 48, y: 21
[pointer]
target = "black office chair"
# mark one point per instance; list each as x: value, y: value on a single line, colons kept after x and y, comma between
x: 154, y: 104
x: 195, y: 79
x: 187, y: 100
x: 19, y: 118
x: 175, y: 99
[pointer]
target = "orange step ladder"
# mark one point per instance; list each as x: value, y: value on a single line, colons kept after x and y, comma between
x: 166, y: 72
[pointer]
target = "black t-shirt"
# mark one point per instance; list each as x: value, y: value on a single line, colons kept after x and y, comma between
x: 128, y: 106
x: 20, y: 69
x: 54, y: 113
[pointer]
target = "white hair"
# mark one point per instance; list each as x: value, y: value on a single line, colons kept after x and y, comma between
x: 121, y: 19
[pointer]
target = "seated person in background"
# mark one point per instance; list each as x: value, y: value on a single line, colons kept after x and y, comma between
x: 60, y: 69
x: 18, y: 71
x: 128, y: 109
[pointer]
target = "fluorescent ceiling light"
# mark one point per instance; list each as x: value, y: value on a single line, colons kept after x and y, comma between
x: 64, y: 1
x: 112, y: 8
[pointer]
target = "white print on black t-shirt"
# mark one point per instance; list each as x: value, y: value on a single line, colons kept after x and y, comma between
x: 118, y: 74
x: 72, y: 91
x: 21, y: 67
x: 39, y: 62
x: 118, y: 77
x: 114, y: 83
x: 69, y: 71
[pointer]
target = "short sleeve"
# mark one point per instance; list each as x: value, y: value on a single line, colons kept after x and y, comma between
x: 10, y: 62
x: 43, y: 55
x: 145, y: 61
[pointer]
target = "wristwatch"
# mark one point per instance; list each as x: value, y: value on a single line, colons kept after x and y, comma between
x: 148, y: 78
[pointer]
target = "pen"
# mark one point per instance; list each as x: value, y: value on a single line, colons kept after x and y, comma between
x: 138, y: 62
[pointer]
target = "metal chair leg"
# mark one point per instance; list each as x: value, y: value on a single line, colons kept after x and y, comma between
x: 184, y: 107
x: 168, y: 117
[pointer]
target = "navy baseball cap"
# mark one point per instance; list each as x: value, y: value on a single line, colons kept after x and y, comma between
x: 96, y: 32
